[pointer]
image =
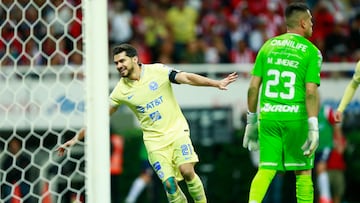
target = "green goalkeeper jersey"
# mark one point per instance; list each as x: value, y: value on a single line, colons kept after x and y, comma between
x: 286, y: 63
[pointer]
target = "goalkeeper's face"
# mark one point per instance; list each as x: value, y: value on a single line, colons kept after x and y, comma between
x: 307, y: 24
x: 124, y: 64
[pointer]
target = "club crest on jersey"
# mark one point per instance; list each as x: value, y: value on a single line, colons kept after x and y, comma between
x: 153, y: 86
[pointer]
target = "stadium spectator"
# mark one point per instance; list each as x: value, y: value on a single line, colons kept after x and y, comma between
x: 355, y: 33
x: 145, y: 55
x: 194, y: 52
x: 182, y: 22
x: 337, y: 42
x: 241, y: 22
x: 17, y: 177
x: 120, y: 19
x: 336, y: 165
x: 273, y: 19
x: 255, y: 7
x: 323, y: 23
x: 215, y: 51
x: 242, y: 53
x: 32, y: 50
x: 58, y: 14
x: 155, y: 28
x: 231, y: 20
x: 76, y: 59
x: 326, y: 122
x: 166, y: 51
x: 258, y: 35
x: 75, y: 27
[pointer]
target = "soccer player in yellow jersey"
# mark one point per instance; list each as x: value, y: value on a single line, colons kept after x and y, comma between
x: 348, y: 94
x: 146, y: 90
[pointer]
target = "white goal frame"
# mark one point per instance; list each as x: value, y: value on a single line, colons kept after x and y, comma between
x: 97, y: 87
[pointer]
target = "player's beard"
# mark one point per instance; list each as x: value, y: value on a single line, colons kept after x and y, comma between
x: 128, y: 71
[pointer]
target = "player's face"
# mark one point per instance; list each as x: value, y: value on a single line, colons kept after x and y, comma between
x: 308, y: 25
x: 124, y: 64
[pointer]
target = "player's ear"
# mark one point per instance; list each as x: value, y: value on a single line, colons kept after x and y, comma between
x: 302, y: 23
x: 135, y: 59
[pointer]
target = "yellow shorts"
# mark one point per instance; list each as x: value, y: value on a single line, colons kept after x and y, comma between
x: 166, y: 161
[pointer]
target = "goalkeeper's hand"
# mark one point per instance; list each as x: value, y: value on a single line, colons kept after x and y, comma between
x: 312, y: 141
x: 251, y: 137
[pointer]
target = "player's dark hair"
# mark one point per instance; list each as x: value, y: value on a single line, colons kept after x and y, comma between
x: 295, y: 7
x: 292, y: 11
x: 129, y: 50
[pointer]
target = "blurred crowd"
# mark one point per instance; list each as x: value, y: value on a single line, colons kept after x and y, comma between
x: 41, y: 32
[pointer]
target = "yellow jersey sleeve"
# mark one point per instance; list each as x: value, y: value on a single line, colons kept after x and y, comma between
x: 350, y: 89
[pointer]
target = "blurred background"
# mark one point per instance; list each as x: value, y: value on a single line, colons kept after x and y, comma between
x: 42, y: 97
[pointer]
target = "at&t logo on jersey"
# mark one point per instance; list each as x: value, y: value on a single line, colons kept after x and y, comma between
x: 150, y: 105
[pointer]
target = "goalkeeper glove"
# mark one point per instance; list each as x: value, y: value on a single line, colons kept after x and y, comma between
x: 250, y: 140
x: 312, y: 141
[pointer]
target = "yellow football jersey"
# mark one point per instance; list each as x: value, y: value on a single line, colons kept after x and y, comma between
x: 152, y: 100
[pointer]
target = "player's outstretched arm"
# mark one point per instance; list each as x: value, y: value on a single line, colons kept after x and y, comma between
x: 345, y: 100
x: 79, y: 136
x: 198, y: 80
x: 227, y: 80
x: 348, y: 93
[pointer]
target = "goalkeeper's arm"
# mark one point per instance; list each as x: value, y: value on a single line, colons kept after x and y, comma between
x: 312, y: 106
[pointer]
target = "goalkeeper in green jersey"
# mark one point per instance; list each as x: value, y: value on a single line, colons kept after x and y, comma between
x: 286, y: 133
x: 348, y: 94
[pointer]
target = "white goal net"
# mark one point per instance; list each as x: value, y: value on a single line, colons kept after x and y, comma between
x: 42, y: 101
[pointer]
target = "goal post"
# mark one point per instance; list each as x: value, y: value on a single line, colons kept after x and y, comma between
x: 97, y: 107
x: 45, y: 47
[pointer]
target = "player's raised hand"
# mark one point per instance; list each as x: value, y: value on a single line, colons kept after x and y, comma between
x: 62, y: 148
x: 338, y: 116
x: 227, y: 80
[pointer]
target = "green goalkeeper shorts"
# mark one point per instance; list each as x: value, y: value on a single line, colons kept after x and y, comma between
x: 280, y: 145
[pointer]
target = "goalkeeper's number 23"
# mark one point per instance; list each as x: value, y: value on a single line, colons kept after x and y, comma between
x: 271, y: 84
